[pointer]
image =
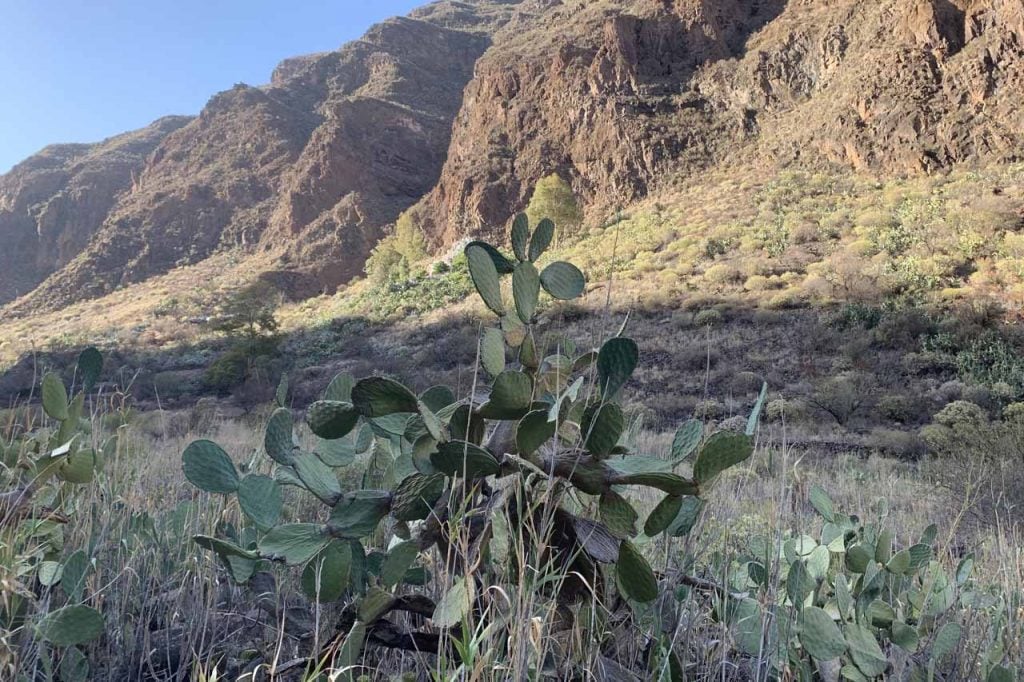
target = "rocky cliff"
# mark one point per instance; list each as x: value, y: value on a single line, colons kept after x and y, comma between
x: 621, y: 95
x: 459, y: 108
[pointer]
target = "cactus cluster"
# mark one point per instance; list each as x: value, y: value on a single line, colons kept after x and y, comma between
x: 41, y: 461
x: 852, y: 604
x: 544, y: 421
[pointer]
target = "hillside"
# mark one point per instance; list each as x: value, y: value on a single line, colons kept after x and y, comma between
x: 460, y: 108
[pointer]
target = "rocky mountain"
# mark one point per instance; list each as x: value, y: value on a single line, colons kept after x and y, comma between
x: 457, y: 110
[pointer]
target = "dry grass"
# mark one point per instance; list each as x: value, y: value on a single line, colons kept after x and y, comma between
x: 171, y: 612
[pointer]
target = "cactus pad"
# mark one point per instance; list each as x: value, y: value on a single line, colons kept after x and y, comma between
x: 380, y: 397
x: 616, y: 362
x: 209, y: 468
x: 723, y: 450
x: 260, y: 499
x: 294, y: 543
x: 464, y: 460
x: 563, y: 281
x: 485, y: 277
x: 330, y: 419
x: 819, y: 634
x: 636, y: 579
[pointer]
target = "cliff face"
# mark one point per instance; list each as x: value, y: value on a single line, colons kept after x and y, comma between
x: 617, y: 95
x: 52, y: 204
x: 457, y: 110
x: 308, y: 169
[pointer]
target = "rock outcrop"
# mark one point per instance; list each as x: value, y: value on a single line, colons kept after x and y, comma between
x: 617, y: 96
x: 457, y: 110
x: 53, y: 203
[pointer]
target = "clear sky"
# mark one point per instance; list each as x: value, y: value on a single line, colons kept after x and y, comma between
x: 83, y: 70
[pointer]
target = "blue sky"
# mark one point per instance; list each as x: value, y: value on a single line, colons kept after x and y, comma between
x: 83, y: 70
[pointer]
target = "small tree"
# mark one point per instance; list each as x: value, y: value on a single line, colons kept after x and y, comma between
x: 553, y: 198
x: 247, y: 319
x: 393, y: 257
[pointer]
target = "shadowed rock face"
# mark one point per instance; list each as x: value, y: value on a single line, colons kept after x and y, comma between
x: 52, y: 204
x: 457, y: 110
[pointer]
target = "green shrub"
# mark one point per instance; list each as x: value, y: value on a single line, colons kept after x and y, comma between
x: 961, y: 413
x: 553, y: 198
x: 708, y: 318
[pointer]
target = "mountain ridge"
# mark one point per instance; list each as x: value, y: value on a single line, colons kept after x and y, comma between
x: 456, y: 110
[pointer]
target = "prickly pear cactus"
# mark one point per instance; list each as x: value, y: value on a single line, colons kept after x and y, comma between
x: 44, y: 459
x: 544, y: 426
x: 858, y: 600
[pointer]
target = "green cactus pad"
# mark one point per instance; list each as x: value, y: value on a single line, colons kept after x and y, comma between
x: 317, y: 477
x: 223, y: 547
x: 331, y: 419
x: 416, y: 495
x: 748, y: 626
x: 686, y: 440
x: 822, y: 503
x: 617, y: 514
x: 464, y: 460
x: 628, y: 465
x: 799, y: 584
x: 541, y: 240
x: 278, y: 439
x: 687, y: 517
x: 510, y: 398
x: 755, y: 414
x: 55, y: 397
x: 947, y: 639
x: 465, y: 425
x: 352, y: 648
x: 673, y: 484
x: 398, y: 562
x: 335, y: 453
x: 294, y: 543
x: 525, y: 290
x: 340, y: 388
x: 1000, y: 673
x: 819, y: 635
x: 636, y: 579
x: 436, y: 398
x: 904, y: 636
x: 285, y: 475
x: 883, y: 547
x: 920, y: 555
x: 90, y: 366
x: 75, y: 570
x: 602, y: 427
x: 616, y: 362
x: 329, y: 573
x: 453, y: 605
x: 358, y: 513
x: 662, y: 515
x: 533, y: 431
x: 260, y: 499
x: 380, y: 397
x: 521, y: 236
x: 485, y: 277
x: 563, y: 281
x: 899, y: 563
x: 74, y: 666
x: 71, y: 625
x: 79, y: 466
x: 209, y: 468
x: 880, y: 614
x: 864, y: 650
x: 502, y: 264
x: 722, y: 450
x: 857, y: 558
x: 492, y: 351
